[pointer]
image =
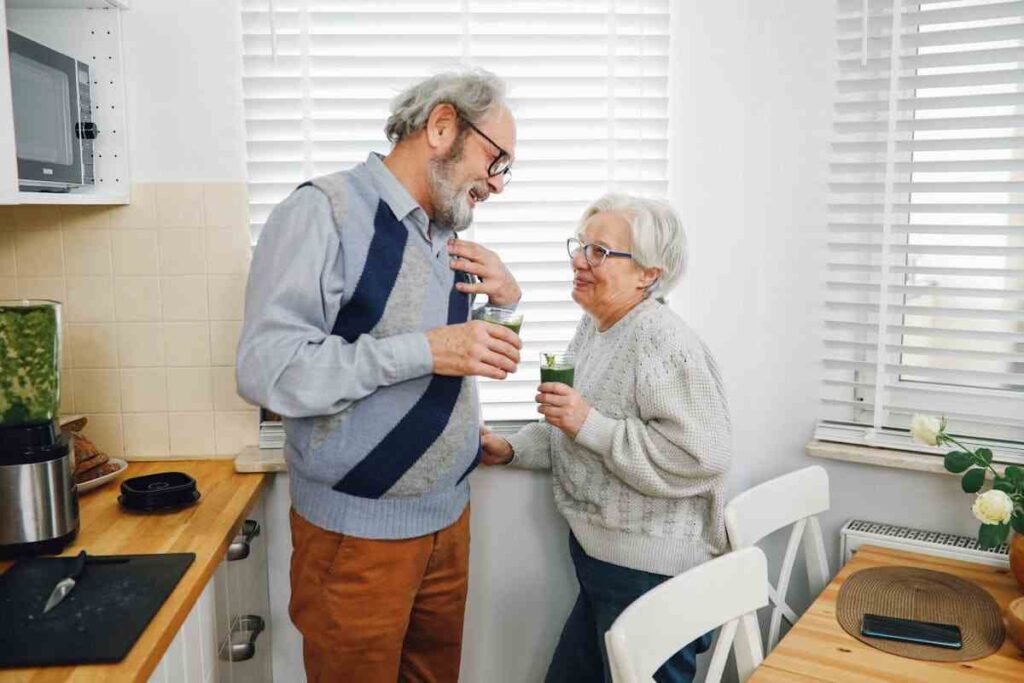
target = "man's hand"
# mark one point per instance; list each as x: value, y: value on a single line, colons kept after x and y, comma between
x: 474, y: 348
x: 496, y: 450
x: 495, y: 279
x: 562, y: 406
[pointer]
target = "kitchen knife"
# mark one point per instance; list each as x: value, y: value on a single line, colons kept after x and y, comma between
x: 64, y: 586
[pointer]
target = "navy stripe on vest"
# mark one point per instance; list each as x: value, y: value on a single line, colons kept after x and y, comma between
x: 416, y: 431
x: 472, y: 465
x: 383, y: 261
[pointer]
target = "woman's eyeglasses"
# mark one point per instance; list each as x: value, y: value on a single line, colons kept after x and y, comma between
x: 595, y: 254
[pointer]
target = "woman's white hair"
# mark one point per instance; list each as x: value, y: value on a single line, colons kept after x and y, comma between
x: 473, y: 92
x: 656, y: 234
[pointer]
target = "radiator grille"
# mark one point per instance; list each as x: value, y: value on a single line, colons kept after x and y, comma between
x: 920, y: 536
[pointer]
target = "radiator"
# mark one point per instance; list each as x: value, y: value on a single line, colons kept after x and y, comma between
x: 858, y: 532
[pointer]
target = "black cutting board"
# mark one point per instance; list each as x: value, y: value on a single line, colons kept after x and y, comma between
x: 98, y: 622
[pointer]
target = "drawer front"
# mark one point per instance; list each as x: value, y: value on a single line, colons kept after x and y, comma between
x: 219, y: 641
x: 246, y: 643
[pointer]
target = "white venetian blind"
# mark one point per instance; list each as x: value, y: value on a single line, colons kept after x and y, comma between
x: 588, y: 84
x: 925, y: 273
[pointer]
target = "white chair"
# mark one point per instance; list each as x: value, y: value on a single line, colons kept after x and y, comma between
x: 794, y: 498
x: 726, y: 591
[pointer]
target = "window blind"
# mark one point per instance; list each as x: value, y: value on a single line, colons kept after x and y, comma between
x: 924, y: 308
x: 588, y: 84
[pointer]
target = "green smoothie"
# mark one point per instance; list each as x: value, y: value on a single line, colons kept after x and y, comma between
x: 29, y: 361
x: 557, y: 367
x: 505, y: 317
x: 514, y: 326
x: 563, y: 375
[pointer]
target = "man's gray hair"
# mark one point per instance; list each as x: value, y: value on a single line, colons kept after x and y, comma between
x: 474, y: 93
x: 656, y: 234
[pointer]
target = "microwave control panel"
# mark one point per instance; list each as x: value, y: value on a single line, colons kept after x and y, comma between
x: 86, y: 128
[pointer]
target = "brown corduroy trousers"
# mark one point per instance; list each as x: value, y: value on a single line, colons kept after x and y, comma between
x: 379, y: 610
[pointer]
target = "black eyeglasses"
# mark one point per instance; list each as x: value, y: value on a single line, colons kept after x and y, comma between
x: 595, y: 254
x: 502, y: 164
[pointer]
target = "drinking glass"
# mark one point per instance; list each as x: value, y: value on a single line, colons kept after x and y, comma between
x: 504, y: 316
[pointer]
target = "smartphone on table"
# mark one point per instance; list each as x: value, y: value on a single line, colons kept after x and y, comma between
x: 912, y: 631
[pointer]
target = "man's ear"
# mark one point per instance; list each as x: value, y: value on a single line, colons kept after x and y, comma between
x: 442, y: 128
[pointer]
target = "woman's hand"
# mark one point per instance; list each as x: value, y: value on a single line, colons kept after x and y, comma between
x: 563, y: 406
x: 496, y: 450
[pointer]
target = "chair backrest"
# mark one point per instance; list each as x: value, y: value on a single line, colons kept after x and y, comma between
x: 793, y: 498
x: 726, y: 591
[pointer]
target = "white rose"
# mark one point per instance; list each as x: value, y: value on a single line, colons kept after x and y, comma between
x: 926, y: 428
x: 993, y: 507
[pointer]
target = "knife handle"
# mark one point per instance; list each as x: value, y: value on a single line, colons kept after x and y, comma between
x: 78, y: 566
x: 113, y: 559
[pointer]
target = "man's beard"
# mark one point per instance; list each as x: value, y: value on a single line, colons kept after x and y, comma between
x: 452, y: 210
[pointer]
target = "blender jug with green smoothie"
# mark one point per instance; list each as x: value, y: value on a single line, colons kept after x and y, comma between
x: 38, y: 501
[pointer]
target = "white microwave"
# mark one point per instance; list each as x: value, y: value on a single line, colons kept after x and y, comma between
x: 53, y: 127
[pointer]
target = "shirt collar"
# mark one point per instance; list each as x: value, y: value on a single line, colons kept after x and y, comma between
x: 391, y: 190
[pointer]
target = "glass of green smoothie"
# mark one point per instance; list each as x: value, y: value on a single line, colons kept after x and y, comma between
x: 504, y: 316
x: 557, y: 367
x: 29, y: 361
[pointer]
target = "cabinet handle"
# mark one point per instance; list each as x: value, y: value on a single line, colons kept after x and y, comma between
x: 250, y: 624
x: 239, y: 548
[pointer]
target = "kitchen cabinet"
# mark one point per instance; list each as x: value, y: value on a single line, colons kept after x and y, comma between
x: 90, y: 31
x: 226, y: 636
x: 246, y: 645
x: 189, y: 616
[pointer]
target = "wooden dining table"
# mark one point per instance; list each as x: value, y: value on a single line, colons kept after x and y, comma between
x: 818, y: 649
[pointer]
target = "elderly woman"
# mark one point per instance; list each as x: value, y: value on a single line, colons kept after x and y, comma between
x: 640, y: 446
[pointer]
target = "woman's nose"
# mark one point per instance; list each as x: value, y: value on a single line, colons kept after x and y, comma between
x: 579, y: 261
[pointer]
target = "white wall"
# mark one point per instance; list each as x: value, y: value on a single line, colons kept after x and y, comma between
x: 521, y: 581
x: 183, y: 63
x: 752, y: 111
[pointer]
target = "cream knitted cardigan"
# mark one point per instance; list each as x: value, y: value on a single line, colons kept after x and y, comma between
x: 642, y: 484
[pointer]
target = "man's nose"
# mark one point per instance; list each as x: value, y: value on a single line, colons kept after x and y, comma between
x: 496, y: 183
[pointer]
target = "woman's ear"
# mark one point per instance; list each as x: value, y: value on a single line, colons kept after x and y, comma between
x: 648, y: 276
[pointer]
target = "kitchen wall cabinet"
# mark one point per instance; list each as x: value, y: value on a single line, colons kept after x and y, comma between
x: 226, y: 637
x: 90, y: 31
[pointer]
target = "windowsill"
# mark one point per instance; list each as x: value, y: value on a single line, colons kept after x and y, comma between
x: 253, y: 459
x: 881, y: 457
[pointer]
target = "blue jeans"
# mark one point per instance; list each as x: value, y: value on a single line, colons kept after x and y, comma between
x: 605, y: 591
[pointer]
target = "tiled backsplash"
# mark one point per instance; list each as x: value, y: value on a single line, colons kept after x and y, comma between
x: 153, y: 296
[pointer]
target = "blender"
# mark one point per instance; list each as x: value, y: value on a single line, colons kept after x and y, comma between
x: 38, y: 499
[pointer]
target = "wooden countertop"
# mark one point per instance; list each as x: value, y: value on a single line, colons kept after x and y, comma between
x: 204, y: 529
x: 818, y: 649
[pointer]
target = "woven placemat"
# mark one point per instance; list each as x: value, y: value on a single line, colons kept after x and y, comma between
x: 925, y: 595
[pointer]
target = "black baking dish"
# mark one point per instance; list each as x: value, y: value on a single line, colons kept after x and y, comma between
x: 159, y: 491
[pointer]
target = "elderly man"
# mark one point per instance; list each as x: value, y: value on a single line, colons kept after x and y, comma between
x: 357, y: 330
